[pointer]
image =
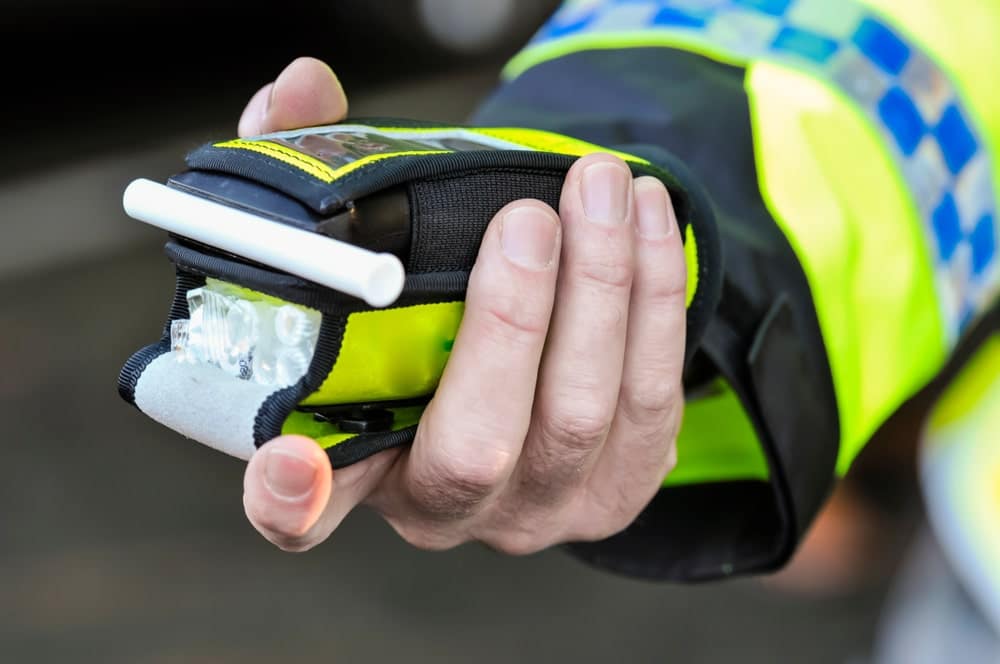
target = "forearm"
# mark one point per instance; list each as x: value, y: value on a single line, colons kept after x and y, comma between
x: 812, y: 348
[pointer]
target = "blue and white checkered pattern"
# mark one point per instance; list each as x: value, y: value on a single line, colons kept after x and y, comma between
x: 929, y: 131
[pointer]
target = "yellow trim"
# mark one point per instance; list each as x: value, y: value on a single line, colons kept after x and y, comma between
x: 544, y: 141
x: 311, y: 165
x: 534, y: 139
x: 691, y: 256
x: 391, y: 354
x: 303, y: 162
x: 693, y: 41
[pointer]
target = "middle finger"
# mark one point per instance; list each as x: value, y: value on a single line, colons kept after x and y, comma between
x: 582, y: 364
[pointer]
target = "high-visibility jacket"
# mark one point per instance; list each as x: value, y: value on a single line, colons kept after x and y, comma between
x: 833, y: 164
x: 849, y: 149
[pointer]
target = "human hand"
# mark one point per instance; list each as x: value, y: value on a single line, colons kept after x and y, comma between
x: 556, y: 417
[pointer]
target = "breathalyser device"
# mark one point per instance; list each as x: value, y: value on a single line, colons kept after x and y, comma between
x: 321, y: 274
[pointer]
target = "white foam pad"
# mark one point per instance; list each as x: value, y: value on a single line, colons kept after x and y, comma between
x: 202, y: 402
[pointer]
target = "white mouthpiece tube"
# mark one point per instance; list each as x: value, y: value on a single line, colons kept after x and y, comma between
x: 377, y: 278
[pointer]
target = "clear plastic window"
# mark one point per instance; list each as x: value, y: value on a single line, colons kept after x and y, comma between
x: 249, y: 335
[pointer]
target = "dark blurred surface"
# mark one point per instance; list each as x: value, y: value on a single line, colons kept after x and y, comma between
x: 102, y: 75
x: 99, y: 93
x: 123, y: 542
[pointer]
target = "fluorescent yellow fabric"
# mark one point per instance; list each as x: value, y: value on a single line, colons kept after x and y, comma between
x: 391, y: 354
x: 693, y: 42
x: 831, y: 183
x: 841, y: 201
x: 328, y: 435
x: 548, y: 142
x: 386, y: 354
x: 839, y: 198
x: 691, y: 258
x: 717, y: 442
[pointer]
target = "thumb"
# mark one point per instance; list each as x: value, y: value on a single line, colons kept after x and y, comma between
x: 290, y: 495
x: 305, y: 94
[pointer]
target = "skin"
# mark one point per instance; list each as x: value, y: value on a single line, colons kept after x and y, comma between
x: 557, y: 415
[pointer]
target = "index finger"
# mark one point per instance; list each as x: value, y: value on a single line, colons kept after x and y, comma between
x: 471, y: 435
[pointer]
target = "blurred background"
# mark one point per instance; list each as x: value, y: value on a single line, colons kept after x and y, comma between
x: 123, y: 542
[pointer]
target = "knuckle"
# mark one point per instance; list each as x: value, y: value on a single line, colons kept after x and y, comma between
x: 651, y: 400
x: 565, y: 444
x: 666, y: 289
x: 548, y: 473
x: 452, y: 487
x: 513, y: 317
x: 579, y: 430
x: 608, y: 272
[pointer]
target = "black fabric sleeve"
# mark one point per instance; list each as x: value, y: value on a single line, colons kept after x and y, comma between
x: 764, y: 340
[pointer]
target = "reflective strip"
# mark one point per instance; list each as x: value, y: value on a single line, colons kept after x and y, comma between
x: 288, y: 147
x: 900, y: 89
x: 544, y: 141
x: 310, y: 165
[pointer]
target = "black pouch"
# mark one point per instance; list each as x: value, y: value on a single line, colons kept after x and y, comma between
x: 360, y: 375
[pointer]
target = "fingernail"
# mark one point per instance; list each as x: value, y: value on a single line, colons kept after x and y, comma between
x: 528, y: 237
x: 656, y: 217
x: 605, y: 191
x: 288, y: 475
